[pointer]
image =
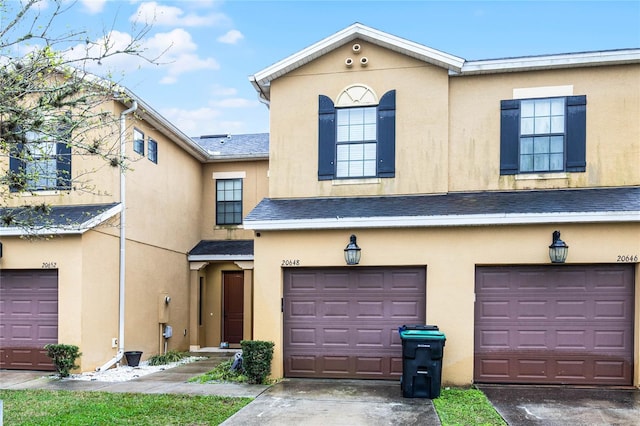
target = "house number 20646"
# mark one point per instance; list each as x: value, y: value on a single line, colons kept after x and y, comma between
x: 627, y: 258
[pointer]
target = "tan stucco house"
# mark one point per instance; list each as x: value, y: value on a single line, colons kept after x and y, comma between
x: 452, y: 176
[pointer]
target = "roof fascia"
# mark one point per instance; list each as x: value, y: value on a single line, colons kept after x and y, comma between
x: 261, y: 80
x: 176, y: 135
x: 444, y: 220
x: 569, y: 60
x: 219, y: 257
x: 66, y: 229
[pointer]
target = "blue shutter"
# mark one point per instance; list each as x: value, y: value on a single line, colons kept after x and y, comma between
x: 63, y: 165
x: 387, y: 135
x: 509, y: 136
x: 16, y: 167
x: 326, y: 138
x: 576, y: 133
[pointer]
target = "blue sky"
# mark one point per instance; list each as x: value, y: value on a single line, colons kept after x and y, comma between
x: 203, y: 85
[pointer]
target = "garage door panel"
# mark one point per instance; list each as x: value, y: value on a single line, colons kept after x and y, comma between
x: 556, y: 336
x: 349, y: 328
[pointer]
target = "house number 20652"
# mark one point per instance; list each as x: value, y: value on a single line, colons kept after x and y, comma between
x: 49, y: 265
x: 627, y: 258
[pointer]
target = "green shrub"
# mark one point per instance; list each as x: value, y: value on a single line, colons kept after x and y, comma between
x: 63, y: 357
x: 169, y: 357
x: 256, y: 360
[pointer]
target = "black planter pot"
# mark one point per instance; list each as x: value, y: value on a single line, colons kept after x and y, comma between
x: 133, y: 358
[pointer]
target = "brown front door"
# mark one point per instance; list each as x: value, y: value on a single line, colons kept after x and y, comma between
x: 343, y: 322
x: 568, y: 324
x: 28, y: 318
x: 233, y: 314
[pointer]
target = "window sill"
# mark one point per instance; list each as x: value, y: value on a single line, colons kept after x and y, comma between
x: 366, y: 181
x: 37, y: 193
x: 542, y: 176
x: 238, y: 226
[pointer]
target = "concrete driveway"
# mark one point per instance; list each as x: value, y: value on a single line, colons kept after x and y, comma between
x: 335, y: 402
x: 559, y: 406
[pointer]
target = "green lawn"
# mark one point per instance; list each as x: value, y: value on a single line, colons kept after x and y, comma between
x: 38, y: 407
x: 462, y: 407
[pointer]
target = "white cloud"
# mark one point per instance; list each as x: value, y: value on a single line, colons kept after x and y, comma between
x: 157, y: 14
x: 231, y: 37
x: 217, y: 90
x: 194, y: 122
x: 235, y: 103
x: 175, y: 52
x: 93, y: 6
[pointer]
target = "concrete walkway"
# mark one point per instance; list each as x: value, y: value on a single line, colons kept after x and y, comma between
x: 289, y: 402
x: 172, y: 380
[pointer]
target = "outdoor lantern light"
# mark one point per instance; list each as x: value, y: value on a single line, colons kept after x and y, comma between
x: 558, y: 249
x: 352, y: 252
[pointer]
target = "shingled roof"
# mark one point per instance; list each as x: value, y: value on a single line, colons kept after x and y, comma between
x: 207, y: 250
x: 53, y: 220
x: 451, y: 209
x: 232, y: 147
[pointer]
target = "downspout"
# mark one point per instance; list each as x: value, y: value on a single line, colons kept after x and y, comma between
x: 121, y: 280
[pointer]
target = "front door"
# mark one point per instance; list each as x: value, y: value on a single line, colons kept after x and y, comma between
x: 233, y: 288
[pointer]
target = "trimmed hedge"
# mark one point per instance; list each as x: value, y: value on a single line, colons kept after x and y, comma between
x: 63, y: 357
x: 256, y: 360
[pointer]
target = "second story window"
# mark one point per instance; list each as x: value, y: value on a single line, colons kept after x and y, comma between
x: 228, y: 201
x: 152, y: 154
x: 41, y: 163
x: 543, y: 135
x: 357, y: 134
x: 356, y: 142
x: 138, y: 141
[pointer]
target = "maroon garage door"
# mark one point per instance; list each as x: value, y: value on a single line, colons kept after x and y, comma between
x: 343, y: 323
x: 28, y: 318
x: 564, y: 324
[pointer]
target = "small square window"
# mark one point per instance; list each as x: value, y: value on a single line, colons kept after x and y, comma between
x: 152, y: 153
x: 138, y: 141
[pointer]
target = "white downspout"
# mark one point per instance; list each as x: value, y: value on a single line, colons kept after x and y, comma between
x: 120, y: 353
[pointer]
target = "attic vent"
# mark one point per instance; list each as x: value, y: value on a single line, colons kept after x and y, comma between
x: 356, y: 48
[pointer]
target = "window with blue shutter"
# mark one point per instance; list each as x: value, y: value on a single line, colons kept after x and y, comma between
x: 40, y: 163
x: 356, y: 142
x: 543, y: 135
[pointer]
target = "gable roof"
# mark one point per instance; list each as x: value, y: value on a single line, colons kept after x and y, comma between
x: 261, y: 80
x: 59, y: 220
x: 451, y: 209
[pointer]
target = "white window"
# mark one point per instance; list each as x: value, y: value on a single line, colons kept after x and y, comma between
x: 542, y: 134
x: 356, y: 152
x: 41, y: 167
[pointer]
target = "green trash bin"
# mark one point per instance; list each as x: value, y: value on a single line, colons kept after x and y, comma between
x: 422, y: 353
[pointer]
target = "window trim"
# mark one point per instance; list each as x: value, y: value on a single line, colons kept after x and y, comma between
x: 138, y: 144
x: 385, y: 145
x: 152, y: 154
x: 219, y: 203
x: 575, y: 135
x: 62, y: 157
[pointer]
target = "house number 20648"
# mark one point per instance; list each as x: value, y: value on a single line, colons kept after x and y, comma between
x: 627, y: 258
x: 290, y: 262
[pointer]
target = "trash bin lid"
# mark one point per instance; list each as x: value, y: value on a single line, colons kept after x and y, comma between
x: 422, y: 334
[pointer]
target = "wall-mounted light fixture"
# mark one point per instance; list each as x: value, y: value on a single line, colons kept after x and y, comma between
x: 558, y: 249
x: 352, y: 252
x: 0, y: 250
